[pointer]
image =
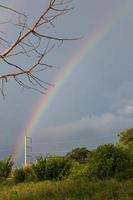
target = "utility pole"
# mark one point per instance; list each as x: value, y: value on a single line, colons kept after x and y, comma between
x: 28, y: 150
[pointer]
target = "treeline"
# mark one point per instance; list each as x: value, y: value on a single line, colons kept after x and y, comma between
x: 104, y: 162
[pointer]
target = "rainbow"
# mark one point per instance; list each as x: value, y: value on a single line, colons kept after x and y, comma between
x: 44, y: 102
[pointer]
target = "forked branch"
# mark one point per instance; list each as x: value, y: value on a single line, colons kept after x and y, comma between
x: 32, y: 42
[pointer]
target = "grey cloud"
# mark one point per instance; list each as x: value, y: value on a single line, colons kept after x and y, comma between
x: 91, y: 122
x: 103, y: 124
x: 127, y: 109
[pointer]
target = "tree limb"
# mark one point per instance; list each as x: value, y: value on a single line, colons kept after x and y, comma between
x: 28, y: 43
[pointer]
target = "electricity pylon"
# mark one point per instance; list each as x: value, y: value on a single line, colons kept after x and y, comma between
x: 28, y: 150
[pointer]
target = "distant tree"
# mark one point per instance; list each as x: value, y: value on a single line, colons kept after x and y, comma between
x: 31, y: 41
x: 126, y: 139
x: 78, y: 154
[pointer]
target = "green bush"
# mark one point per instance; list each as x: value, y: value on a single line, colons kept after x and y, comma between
x: 18, y: 175
x: 109, y: 161
x: 50, y: 168
x: 39, y: 168
x: 127, y: 174
x: 24, y: 173
x: 5, y: 167
x: 77, y: 171
x: 29, y: 173
x: 57, y: 167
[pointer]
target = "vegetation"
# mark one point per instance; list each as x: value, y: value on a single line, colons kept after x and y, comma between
x: 45, y: 168
x: 79, y: 189
x: 5, y: 167
x: 78, y: 154
x: 39, y: 168
x: 18, y: 175
x: 126, y: 139
x: 105, y: 173
x: 109, y: 161
x: 57, y: 168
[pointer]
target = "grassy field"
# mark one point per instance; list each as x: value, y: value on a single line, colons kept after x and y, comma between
x: 68, y: 190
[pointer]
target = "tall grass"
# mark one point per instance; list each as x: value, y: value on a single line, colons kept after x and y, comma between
x: 80, y: 189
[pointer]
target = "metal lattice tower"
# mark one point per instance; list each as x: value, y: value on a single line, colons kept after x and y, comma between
x: 28, y: 150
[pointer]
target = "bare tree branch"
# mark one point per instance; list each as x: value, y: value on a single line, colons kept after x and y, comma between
x: 29, y: 42
x: 12, y: 10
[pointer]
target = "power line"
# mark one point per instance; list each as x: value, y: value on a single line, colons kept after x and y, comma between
x: 49, y: 152
x: 29, y: 144
x: 59, y: 142
x: 58, y: 151
x: 70, y: 141
x: 6, y: 150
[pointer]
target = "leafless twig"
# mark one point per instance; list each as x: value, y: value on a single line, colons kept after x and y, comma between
x: 28, y: 43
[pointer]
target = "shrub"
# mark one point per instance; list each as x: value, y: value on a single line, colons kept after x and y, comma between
x: 39, y: 168
x: 57, y: 167
x: 29, y: 173
x: 109, y: 161
x: 5, y: 167
x: 50, y: 168
x: 27, y: 169
x: 77, y: 171
x: 24, y: 173
x: 19, y: 175
x: 125, y: 174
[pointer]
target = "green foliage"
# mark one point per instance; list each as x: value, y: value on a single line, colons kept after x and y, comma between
x: 109, y: 161
x: 57, y: 167
x: 126, y: 136
x: 5, y: 167
x: 49, y: 168
x: 29, y: 173
x: 77, y: 189
x: 39, y: 168
x: 126, y: 139
x: 77, y: 171
x: 19, y: 175
x: 78, y: 154
x: 126, y: 174
x: 22, y: 174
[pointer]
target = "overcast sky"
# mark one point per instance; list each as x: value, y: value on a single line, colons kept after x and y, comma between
x: 95, y: 102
